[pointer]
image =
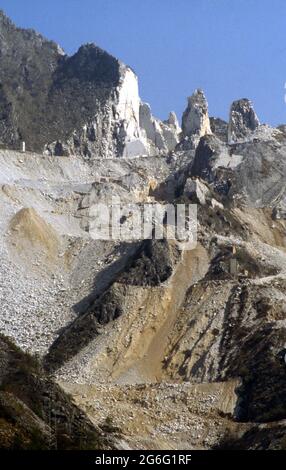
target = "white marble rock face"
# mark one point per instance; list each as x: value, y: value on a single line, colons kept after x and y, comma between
x: 123, y: 127
x: 162, y: 136
x: 127, y: 111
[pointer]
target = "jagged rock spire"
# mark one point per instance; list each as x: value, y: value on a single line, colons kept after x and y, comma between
x: 162, y: 136
x: 242, y: 120
x: 195, y: 119
x: 173, y: 121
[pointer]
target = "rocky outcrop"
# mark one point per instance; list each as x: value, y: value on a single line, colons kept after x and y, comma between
x: 162, y: 136
x: 195, y: 121
x: 206, y: 156
x: 27, y: 64
x: 219, y: 128
x: 112, y: 128
x: 173, y: 122
x: 242, y: 120
x: 248, y: 171
x: 86, y: 104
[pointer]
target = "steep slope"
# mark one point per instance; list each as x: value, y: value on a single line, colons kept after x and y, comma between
x: 35, y: 413
x: 27, y: 65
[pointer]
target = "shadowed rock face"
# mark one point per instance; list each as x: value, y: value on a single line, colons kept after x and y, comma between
x: 35, y: 413
x: 206, y: 156
x: 89, y: 64
x: 219, y: 128
x: 242, y: 120
x: 27, y: 65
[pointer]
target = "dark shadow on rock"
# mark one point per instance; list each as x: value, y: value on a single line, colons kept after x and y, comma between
x: 151, y: 264
x: 104, y: 279
x: 36, y: 414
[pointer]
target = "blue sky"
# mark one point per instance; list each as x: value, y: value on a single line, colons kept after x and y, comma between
x: 230, y: 48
